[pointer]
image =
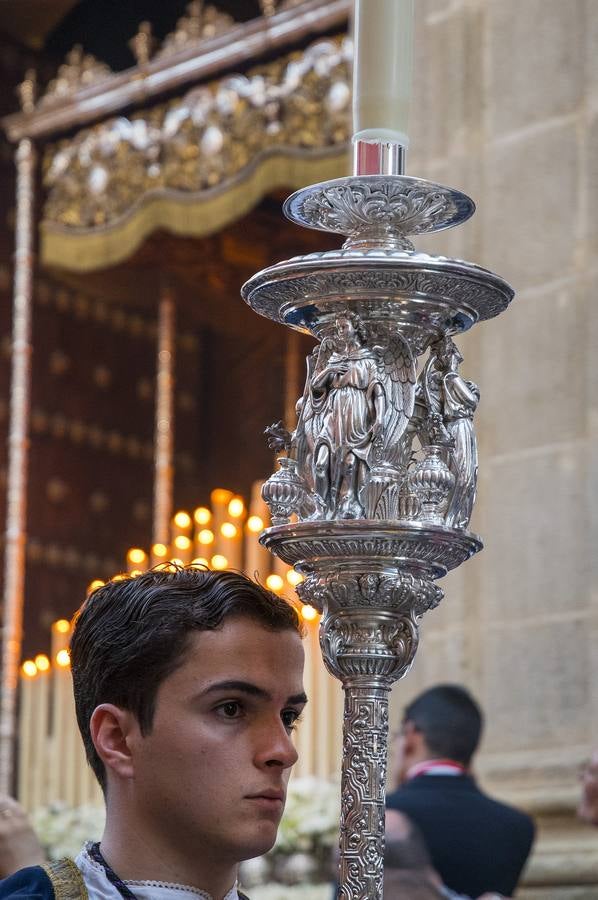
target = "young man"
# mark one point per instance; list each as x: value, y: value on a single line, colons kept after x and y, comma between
x: 188, y: 685
x: 477, y: 845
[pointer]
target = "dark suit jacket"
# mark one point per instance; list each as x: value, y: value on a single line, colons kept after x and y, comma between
x: 32, y: 883
x: 476, y: 844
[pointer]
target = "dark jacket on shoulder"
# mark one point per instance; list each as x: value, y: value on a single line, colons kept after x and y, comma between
x: 32, y: 883
x: 477, y: 844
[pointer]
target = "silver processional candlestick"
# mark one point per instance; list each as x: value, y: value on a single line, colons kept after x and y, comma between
x: 379, y: 474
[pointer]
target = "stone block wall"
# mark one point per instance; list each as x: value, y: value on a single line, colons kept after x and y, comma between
x: 506, y: 108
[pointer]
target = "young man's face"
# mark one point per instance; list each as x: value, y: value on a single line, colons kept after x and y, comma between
x: 407, y: 748
x: 211, y: 775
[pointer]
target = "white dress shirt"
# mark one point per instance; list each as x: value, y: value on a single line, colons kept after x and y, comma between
x: 100, y: 888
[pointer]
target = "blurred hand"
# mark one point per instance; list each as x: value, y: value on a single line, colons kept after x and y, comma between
x: 19, y: 846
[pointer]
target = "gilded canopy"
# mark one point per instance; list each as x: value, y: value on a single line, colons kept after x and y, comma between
x: 205, y: 155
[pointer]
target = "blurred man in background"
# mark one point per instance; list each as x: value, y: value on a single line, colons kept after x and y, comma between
x: 477, y: 845
x: 588, y: 807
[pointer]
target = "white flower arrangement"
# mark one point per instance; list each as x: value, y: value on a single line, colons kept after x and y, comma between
x: 62, y: 830
x: 311, y: 816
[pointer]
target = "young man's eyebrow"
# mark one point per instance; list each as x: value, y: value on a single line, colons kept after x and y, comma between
x: 247, y: 687
x: 298, y: 699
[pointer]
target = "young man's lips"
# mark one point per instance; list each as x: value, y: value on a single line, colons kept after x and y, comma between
x: 268, y: 796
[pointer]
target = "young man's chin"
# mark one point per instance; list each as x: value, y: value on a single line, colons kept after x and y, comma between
x: 258, y: 843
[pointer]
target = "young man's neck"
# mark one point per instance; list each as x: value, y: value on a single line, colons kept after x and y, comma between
x: 135, y: 854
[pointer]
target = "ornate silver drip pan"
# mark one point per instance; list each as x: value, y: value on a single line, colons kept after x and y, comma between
x: 306, y: 292
x: 381, y: 206
x: 432, y: 550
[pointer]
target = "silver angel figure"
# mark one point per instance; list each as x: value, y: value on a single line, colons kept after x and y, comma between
x: 355, y: 408
x: 451, y: 402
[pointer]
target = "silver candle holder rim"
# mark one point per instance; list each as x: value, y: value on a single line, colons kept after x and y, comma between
x: 307, y: 206
x: 280, y: 291
x: 299, y: 542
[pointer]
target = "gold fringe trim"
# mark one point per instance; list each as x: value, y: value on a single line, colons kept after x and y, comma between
x: 66, y: 879
x: 186, y: 215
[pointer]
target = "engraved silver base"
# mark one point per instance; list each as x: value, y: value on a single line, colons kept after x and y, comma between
x: 372, y: 581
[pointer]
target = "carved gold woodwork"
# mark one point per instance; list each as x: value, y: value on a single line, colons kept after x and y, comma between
x: 26, y: 91
x: 79, y: 70
x: 200, y: 23
x: 295, y: 105
x: 142, y: 44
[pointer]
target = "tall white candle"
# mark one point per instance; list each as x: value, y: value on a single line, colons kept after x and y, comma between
x: 305, y: 745
x: 71, y: 745
x: 39, y: 766
x: 26, y: 721
x: 219, y: 500
x: 382, y: 69
x: 258, y: 561
x: 324, y: 717
x: 61, y: 690
x: 60, y: 685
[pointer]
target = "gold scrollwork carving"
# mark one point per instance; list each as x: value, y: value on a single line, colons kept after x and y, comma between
x: 295, y: 105
x: 79, y: 70
x: 200, y: 23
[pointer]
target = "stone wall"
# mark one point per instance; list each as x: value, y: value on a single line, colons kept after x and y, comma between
x: 506, y: 108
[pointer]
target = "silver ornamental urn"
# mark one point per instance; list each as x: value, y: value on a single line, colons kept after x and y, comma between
x: 431, y: 482
x: 385, y: 450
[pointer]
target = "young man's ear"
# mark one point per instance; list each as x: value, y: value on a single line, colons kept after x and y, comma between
x: 111, y: 731
x: 413, y: 739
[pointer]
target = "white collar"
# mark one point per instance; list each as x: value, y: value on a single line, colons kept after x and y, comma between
x: 436, y: 767
x: 99, y: 888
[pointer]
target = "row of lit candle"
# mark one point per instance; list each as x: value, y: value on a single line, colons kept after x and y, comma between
x: 223, y: 529
x: 52, y: 765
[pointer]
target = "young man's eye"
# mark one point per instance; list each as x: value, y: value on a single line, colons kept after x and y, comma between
x: 290, y: 718
x: 230, y: 710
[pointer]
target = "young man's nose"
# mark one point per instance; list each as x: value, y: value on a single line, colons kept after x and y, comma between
x: 275, y: 746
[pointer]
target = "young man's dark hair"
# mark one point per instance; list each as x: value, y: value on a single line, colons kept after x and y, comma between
x: 130, y: 634
x: 450, y: 721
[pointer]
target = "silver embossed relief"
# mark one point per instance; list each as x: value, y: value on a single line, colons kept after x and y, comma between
x: 374, y: 442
